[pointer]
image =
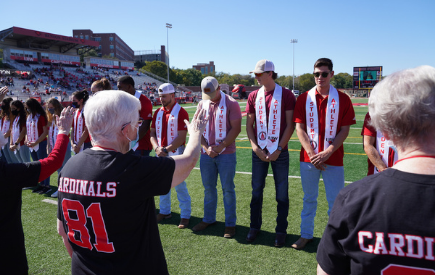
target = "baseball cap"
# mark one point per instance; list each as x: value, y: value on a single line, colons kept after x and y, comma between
x: 210, y: 83
x: 166, y: 88
x: 263, y: 66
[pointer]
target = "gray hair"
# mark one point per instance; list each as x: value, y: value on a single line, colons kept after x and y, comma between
x: 107, y: 111
x: 402, y: 106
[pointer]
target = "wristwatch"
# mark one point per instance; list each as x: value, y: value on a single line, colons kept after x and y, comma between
x: 279, y: 148
x: 16, y: 143
x: 165, y: 150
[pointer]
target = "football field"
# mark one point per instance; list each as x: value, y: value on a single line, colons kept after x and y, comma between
x: 207, y: 252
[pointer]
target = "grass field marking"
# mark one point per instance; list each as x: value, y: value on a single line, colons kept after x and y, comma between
x: 270, y: 175
x: 50, y: 201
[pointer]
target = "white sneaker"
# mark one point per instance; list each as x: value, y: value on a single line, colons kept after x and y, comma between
x: 54, y: 195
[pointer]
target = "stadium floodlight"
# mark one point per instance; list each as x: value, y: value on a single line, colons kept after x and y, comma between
x: 168, y: 26
x: 293, y: 41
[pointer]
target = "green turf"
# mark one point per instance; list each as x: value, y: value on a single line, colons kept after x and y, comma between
x: 208, y: 252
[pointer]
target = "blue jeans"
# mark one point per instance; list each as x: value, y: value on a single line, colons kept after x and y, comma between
x: 225, y: 166
x: 183, y: 198
x: 7, y: 153
x: 142, y: 152
x: 333, y: 178
x: 280, y: 169
x: 41, y: 154
x: 22, y: 155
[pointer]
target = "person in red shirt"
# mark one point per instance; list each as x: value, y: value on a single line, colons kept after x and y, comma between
x: 80, y: 139
x: 380, y: 151
x: 269, y: 126
x: 168, y: 137
x: 323, y: 117
x: 36, y: 138
x: 126, y: 84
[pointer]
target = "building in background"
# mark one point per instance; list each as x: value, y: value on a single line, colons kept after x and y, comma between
x: 110, y: 44
x: 152, y: 55
x: 205, y: 68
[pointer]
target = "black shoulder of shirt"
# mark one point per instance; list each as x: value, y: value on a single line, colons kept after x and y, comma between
x: 20, y: 175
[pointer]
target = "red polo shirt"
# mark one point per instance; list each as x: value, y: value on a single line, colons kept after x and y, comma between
x: 146, y: 112
x: 346, y: 117
x: 182, y: 115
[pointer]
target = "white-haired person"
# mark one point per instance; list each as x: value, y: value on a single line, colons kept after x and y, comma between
x: 106, y: 211
x: 14, y: 177
x: 384, y: 223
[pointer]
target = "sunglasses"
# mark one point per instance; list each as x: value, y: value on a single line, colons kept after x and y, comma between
x: 324, y: 74
x: 258, y: 74
x: 139, y: 123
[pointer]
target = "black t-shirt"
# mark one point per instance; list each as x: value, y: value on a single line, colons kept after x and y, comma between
x: 382, y: 224
x: 106, y: 204
x: 14, y: 177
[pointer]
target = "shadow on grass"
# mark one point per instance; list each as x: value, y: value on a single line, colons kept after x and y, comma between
x: 263, y: 238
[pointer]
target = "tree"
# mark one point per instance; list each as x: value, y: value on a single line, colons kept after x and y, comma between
x: 84, y: 54
x: 161, y: 69
x: 306, y: 82
x: 342, y: 81
x: 189, y: 77
x: 285, y: 81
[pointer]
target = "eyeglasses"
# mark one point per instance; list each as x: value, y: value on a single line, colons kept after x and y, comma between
x: 324, y: 74
x: 139, y: 123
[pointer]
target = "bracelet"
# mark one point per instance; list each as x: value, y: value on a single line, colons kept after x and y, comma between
x: 16, y: 143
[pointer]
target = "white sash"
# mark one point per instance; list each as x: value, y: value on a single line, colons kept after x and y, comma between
x: 220, y: 121
x: 32, y: 131
x: 52, y: 133
x: 5, y: 126
x: 78, y: 128
x: 268, y: 134
x: 312, y: 118
x: 383, y: 147
x: 137, y: 94
x: 172, y: 127
x: 16, y: 133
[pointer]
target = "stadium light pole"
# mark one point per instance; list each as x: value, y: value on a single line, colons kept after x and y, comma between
x: 293, y: 41
x: 168, y: 26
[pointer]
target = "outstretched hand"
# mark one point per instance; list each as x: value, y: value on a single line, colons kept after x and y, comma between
x: 198, y: 123
x: 65, y: 120
x: 3, y: 91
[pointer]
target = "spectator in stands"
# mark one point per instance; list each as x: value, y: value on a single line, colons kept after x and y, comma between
x: 79, y: 134
x: 20, y: 150
x: 126, y: 84
x: 54, y: 110
x: 36, y: 138
x: 100, y: 85
x: 6, y: 128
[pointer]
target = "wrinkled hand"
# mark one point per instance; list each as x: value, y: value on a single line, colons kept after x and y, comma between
x: 274, y: 156
x: 198, y: 123
x: 3, y: 92
x: 261, y: 154
x: 65, y: 120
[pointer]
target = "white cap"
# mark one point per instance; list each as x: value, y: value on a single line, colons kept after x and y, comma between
x: 211, y: 83
x: 166, y: 88
x: 263, y: 66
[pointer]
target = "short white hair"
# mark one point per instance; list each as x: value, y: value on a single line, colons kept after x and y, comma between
x: 402, y: 106
x: 106, y: 113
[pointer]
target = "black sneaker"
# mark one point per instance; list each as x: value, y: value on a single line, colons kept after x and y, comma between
x: 45, y: 190
x: 38, y: 189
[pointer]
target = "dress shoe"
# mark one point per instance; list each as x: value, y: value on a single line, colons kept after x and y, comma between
x: 184, y: 223
x: 230, y: 231
x: 201, y: 226
x: 280, y: 239
x: 161, y: 217
x: 252, y: 235
x: 301, y: 243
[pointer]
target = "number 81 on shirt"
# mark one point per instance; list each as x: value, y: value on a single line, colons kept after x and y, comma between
x: 78, y: 224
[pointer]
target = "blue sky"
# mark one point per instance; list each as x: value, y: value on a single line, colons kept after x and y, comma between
x: 236, y: 34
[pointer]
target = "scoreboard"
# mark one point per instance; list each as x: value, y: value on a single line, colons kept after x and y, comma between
x: 366, y: 77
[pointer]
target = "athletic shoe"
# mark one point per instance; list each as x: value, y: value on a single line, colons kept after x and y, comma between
x: 38, y: 189
x: 44, y: 190
x: 54, y: 195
